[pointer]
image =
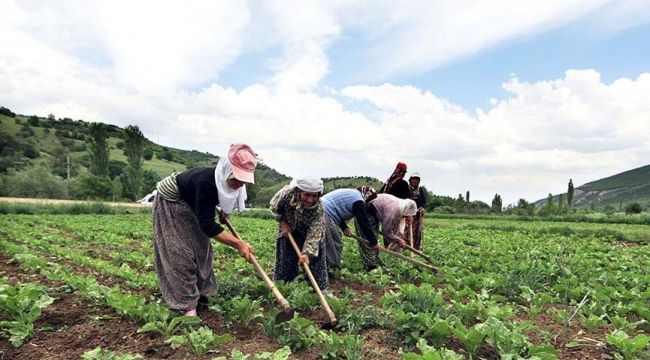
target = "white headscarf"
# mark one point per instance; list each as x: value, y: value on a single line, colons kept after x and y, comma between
x: 408, y: 207
x: 314, y: 185
x: 228, y: 197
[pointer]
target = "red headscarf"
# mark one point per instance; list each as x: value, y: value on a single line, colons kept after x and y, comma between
x: 398, y: 174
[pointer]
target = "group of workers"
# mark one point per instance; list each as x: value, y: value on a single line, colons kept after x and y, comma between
x: 187, y: 204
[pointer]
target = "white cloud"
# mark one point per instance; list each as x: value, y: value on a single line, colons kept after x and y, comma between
x: 158, y: 65
x: 423, y: 34
x: 158, y: 46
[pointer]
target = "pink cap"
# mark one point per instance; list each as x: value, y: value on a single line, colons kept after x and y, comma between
x: 243, y: 161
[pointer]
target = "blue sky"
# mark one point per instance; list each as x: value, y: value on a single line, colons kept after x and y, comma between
x: 508, y: 96
x: 472, y: 80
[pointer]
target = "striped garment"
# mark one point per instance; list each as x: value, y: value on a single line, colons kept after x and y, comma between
x: 168, y: 189
x: 338, y: 204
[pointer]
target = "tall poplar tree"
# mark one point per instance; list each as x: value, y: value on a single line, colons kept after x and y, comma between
x: 98, y: 148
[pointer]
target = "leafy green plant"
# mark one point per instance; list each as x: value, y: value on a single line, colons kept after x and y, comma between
x: 508, y: 338
x: 592, y: 322
x: 622, y: 323
x: 171, y: 326
x: 471, y: 338
x: 29, y: 261
x: 415, y: 299
x: 349, y: 347
x: 104, y: 354
x: 297, y: 333
x: 200, y: 341
x: 269, y: 323
x: 280, y: 354
x: 410, y: 328
x: 244, y: 310
x: 303, y: 298
x: 560, y: 316
x: 628, y: 348
x: 20, y: 306
x: 355, y: 321
x: 431, y: 353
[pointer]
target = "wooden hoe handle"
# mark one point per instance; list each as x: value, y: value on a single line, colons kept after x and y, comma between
x: 314, y: 284
x: 420, y: 253
x: 403, y: 257
x: 260, y: 271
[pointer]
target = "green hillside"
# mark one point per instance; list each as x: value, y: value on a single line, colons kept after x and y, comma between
x: 613, y: 192
x: 632, y: 178
x: 50, y: 137
x: 350, y: 182
x: 30, y: 142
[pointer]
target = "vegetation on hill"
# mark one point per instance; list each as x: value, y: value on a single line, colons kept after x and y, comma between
x: 611, y: 194
x: 56, y: 158
x: 631, y: 178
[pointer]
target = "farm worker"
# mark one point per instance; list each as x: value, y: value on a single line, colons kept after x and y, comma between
x: 393, y: 214
x: 299, y: 211
x: 396, y: 185
x: 340, y: 206
x: 183, y: 223
x: 417, y: 195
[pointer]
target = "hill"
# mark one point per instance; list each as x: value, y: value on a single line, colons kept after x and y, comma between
x: 59, y: 145
x: 614, y: 191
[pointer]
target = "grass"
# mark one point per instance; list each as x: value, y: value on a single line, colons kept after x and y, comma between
x: 97, y: 208
x: 635, y: 177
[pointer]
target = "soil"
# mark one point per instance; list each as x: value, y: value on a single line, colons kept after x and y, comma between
x: 72, y: 325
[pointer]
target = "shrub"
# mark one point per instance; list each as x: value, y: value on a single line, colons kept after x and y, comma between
x: 147, y: 154
x: 33, y: 120
x: 92, y: 187
x: 37, y: 182
x: 6, y: 112
x: 633, y: 208
x: 30, y: 152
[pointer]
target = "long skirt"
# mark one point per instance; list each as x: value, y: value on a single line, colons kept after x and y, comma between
x: 182, y: 255
x: 369, y: 256
x: 333, y: 244
x: 286, y: 262
x: 334, y: 247
x: 418, y: 230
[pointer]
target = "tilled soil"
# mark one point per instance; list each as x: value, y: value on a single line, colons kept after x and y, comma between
x: 73, y: 325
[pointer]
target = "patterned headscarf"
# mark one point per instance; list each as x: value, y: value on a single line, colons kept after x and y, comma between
x: 398, y: 174
x: 368, y: 192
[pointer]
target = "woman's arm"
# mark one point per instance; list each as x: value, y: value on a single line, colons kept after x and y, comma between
x: 244, y: 249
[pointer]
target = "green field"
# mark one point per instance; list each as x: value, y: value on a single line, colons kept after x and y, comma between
x: 505, y: 289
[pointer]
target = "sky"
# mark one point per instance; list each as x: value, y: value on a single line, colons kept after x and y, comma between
x: 510, y: 97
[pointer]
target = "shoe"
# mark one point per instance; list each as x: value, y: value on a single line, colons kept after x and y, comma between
x: 327, y: 292
x: 190, y: 312
x: 371, y: 269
